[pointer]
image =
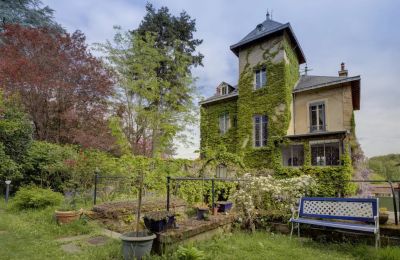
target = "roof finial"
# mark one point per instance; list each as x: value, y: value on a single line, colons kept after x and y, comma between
x: 268, y: 15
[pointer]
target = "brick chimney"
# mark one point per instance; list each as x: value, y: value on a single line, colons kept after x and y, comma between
x: 342, y: 72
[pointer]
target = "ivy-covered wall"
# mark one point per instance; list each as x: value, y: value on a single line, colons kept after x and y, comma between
x: 210, y: 136
x: 272, y: 100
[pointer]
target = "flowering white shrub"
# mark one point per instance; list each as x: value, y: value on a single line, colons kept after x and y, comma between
x: 258, y: 194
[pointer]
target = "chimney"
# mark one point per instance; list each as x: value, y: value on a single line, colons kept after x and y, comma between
x: 342, y: 72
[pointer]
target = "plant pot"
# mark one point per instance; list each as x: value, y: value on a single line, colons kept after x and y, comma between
x: 383, y: 217
x: 161, y: 225
x: 136, y: 244
x: 201, y: 213
x: 65, y: 217
x: 224, y: 206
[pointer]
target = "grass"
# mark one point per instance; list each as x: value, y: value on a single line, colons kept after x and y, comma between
x: 31, y: 234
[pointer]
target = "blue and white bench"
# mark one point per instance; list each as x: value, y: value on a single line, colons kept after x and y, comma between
x: 357, y: 214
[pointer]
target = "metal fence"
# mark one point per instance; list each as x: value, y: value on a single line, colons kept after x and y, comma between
x: 107, y: 188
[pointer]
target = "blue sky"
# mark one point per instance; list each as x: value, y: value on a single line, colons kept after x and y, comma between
x: 362, y: 33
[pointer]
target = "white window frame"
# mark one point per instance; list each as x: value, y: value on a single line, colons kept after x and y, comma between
x: 262, y: 131
x: 318, y: 127
x: 258, y: 74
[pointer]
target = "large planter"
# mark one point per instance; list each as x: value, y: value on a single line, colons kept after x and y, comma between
x: 159, y: 221
x: 202, y: 213
x: 224, y: 206
x: 136, y: 244
x: 65, y: 217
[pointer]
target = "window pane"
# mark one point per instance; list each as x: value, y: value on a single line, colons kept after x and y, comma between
x: 227, y: 122
x: 221, y: 124
x: 286, y: 156
x: 263, y: 77
x: 258, y: 83
x: 332, y: 154
x: 313, y: 118
x: 321, y: 116
x: 264, y: 130
x: 297, y: 155
x: 317, y: 155
x: 257, y: 131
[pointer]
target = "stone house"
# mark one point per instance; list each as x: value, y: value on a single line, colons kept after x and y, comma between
x: 274, y: 116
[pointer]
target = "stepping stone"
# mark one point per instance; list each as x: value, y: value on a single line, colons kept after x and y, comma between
x: 71, y: 248
x: 71, y: 239
x: 98, y: 241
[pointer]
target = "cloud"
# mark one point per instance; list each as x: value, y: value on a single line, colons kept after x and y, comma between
x: 362, y: 33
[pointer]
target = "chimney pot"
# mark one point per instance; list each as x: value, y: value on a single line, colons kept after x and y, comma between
x: 342, y: 72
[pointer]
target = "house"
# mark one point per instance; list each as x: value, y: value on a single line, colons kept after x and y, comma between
x: 274, y: 116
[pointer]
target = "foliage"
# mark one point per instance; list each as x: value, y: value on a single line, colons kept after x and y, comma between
x: 15, y: 137
x: 63, y: 88
x: 47, y: 165
x: 35, y: 197
x: 155, y: 102
x: 189, y: 253
x: 387, y: 166
x: 27, y: 13
x: 169, y: 29
x: 257, y: 195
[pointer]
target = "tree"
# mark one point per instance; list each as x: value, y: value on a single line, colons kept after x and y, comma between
x: 153, y: 112
x: 63, y: 88
x: 27, y: 13
x: 15, y: 137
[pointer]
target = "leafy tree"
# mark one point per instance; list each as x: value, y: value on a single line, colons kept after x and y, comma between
x: 386, y: 166
x: 15, y: 137
x: 153, y: 112
x: 28, y: 13
x: 63, y: 88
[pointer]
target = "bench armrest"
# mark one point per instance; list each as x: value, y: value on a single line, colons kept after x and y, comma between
x: 295, y: 212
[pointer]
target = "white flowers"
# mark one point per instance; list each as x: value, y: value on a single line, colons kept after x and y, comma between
x: 269, y: 193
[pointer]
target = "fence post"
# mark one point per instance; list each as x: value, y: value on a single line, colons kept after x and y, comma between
x: 168, y: 191
x: 7, y: 190
x: 96, y: 176
x: 212, y: 195
x: 394, y: 204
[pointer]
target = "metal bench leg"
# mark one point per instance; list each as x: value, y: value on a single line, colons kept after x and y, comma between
x: 291, y: 231
x: 377, y: 240
x: 298, y: 229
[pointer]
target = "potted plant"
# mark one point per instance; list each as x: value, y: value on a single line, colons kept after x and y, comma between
x: 138, y: 243
x: 224, y: 206
x: 159, y: 221
x: 202, y: 211
x: 383, y: 215
x: 68, y: 212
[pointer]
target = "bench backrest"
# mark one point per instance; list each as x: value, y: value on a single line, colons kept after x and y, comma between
x: 357, y: 209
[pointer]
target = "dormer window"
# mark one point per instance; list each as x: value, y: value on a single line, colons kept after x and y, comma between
x: 224, y: 90
x: 261, y: 78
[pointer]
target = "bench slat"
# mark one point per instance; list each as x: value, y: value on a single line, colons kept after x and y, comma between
x: 342, y: 225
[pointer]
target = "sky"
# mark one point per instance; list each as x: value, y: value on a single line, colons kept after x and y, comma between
x: 364, y: 34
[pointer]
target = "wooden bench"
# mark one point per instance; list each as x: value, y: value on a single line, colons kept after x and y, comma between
x: 356, y: 214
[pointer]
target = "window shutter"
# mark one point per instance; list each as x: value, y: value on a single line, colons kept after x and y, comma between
x: 257, y: 79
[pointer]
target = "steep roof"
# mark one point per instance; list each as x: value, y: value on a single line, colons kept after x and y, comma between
x: 309, y: 82
x: 216, y: 97
x: 267, y: 29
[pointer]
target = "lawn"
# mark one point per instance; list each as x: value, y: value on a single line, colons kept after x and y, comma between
x: 31, y: 234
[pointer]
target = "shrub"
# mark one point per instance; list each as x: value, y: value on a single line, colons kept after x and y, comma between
x: 35, y: 197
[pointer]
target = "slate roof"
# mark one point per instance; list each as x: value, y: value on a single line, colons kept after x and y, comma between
x: 215, y: 98
x: 307, y: 82
x: 268, y: 28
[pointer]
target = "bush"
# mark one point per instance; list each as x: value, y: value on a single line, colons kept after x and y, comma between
x: 35, y: 197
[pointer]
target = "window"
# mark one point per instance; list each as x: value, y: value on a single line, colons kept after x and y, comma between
x: 317, y: 117
x: 221, y: 171
x: 224, y: 90
x: 261, y: 78
x: 325, y: 154
x: 293, y: 155
x: 224, y: 123
x: 260, y: 123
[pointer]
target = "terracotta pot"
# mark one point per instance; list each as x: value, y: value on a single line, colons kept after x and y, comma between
x: 65, y: 217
